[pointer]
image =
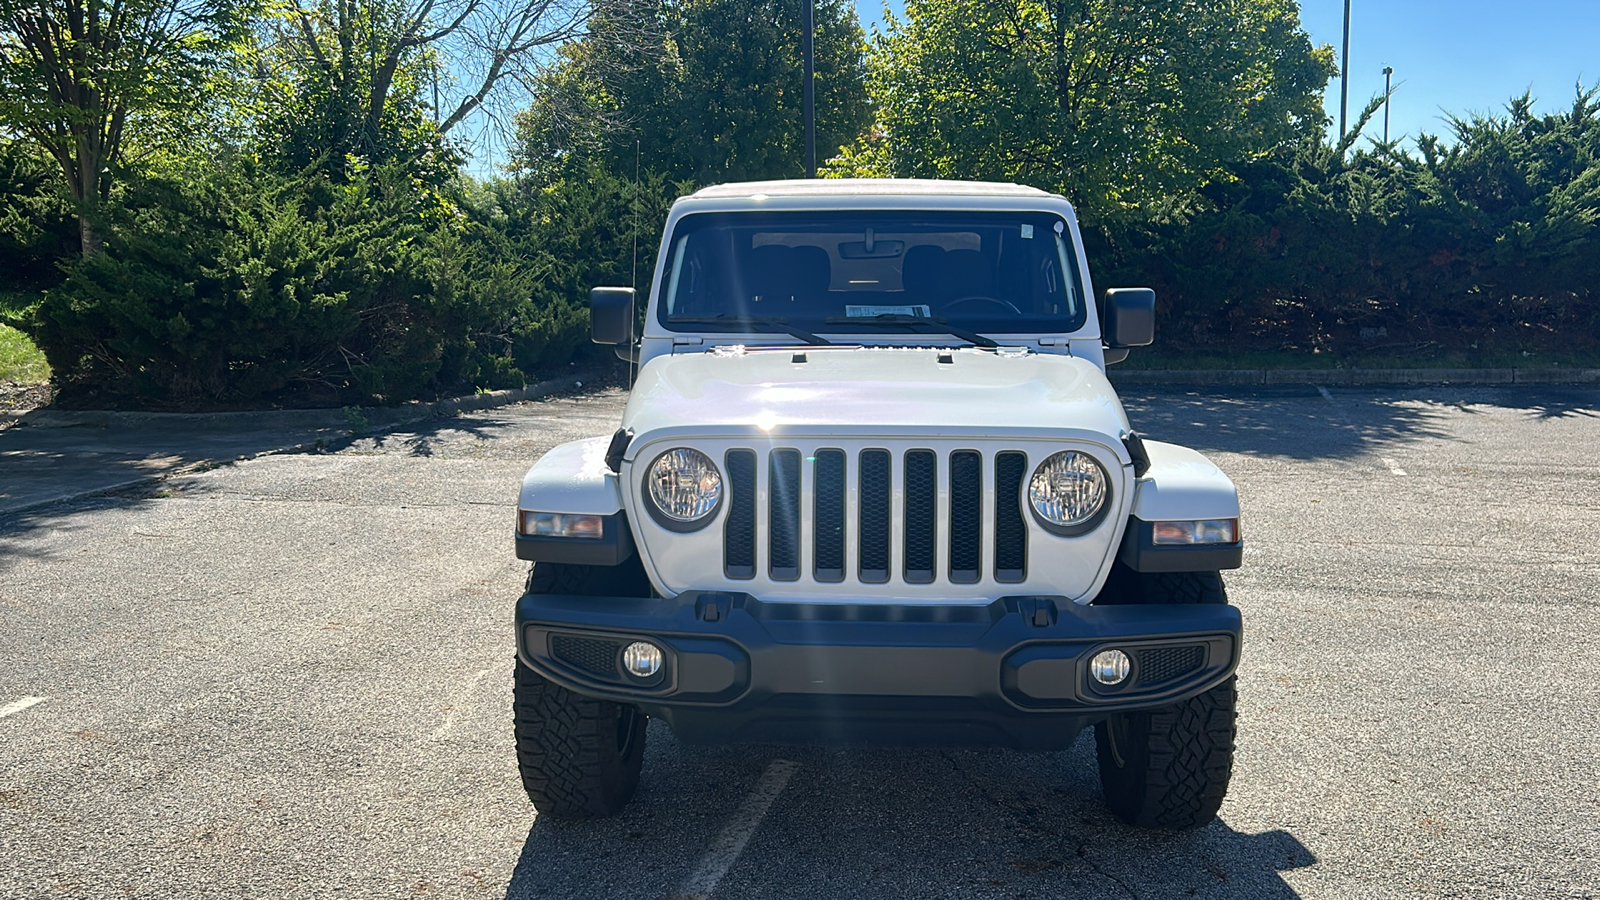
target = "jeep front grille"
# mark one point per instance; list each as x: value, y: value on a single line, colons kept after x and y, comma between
x: 971, y: 482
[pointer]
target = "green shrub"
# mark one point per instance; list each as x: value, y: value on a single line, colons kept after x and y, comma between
x: 239, y: 288
x: 37, y: 228
x: 1491, y: 242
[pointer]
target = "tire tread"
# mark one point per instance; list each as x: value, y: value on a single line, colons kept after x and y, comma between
x: 567, y: 744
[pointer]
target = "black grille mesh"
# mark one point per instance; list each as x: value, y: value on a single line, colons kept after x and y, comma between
x: 921, y: 493
x: 784, y: 514
x: 966, y: 516
x: 739, y: 534
x: 591, y: 655
x: 875, y: 486
x: 1163, y: 664
x: 1010, y: 532
x: 829, y: 499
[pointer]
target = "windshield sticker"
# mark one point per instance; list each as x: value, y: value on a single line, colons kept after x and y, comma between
x: 1027, y: 232
x: 867, y: 312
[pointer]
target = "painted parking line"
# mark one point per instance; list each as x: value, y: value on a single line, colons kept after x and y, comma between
x: 725, y: 850
x: 11, y: 709
x: 1394, y: 467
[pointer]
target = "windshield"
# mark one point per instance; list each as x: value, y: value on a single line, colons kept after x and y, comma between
x: 873, y: 272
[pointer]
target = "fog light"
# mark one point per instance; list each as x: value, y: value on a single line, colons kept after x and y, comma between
x: 641, y: 659
x: 1109, y: 667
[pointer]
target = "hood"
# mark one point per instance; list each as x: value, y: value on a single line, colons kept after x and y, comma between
x: 874, y: 390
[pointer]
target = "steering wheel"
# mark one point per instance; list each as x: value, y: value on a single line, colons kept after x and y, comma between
x: 1006, y: 305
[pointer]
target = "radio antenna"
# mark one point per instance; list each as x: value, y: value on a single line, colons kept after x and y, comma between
x: 633, y: 275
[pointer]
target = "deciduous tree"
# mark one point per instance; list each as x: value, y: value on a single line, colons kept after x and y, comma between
x: 702, y: 90
x: 1120, y: 104
x: 361, y: 76
x: 78, y: 76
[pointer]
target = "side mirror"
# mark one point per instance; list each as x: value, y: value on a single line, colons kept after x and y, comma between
x: 1129, y: 318
x: 611, y: 315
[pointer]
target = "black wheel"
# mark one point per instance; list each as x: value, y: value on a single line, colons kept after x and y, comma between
x: 1168, y: 767
x: 579, y: 757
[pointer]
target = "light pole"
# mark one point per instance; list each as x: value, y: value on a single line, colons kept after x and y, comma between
x: 1387, y: 72
x: 809, y: 97
x: 1344, y: 72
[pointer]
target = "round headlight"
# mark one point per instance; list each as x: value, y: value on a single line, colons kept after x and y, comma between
x: 684, y: 485
x: 1068, y: 490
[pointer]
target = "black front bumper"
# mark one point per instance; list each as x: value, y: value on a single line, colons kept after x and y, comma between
x: 1012, y: 673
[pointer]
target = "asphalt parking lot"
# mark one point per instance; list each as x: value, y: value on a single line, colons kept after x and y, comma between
x: 290, y: 677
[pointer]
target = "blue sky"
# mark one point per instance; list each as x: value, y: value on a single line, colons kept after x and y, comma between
x: 1455, y: 56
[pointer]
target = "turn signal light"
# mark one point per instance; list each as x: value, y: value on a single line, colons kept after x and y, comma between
x: 1199, y: 531
x: 563, y: 525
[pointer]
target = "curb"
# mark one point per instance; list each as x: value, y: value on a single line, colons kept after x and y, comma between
x: 376, y: 419
x: 1353, y: 376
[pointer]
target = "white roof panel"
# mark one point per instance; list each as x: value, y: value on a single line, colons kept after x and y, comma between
x: 836, y: 187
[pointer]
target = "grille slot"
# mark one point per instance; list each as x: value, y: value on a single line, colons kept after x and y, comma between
x: 875, y: 515
x: 739, y: 533
x: 597, y: 657
x: 1162, y: 664
x: 1010, y: 531
x: 784, y: 514
x: 966, y: 516
x: 829, y: 512
x: 922, y: 515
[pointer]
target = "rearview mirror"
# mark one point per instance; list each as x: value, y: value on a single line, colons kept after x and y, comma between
x: 611, y: 315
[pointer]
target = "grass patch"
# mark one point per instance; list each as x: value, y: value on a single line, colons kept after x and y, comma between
x: 20, y: 361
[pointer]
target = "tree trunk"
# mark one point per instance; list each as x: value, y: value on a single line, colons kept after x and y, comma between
x: 88, y: 238
x: 86, y: 187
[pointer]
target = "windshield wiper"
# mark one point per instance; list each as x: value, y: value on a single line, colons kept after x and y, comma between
x: 756, y: 323
x: 891, y: 319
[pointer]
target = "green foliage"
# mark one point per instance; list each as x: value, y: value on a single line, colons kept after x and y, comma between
x: 698, y: 90
x: 1489, y: 242
x: 1126, y: 108
x: 585, y: 230
x: 81, y: 78
x: 238, y: 286
x: 243, y: 287
x: 340, y: 87
x: 37, y: 229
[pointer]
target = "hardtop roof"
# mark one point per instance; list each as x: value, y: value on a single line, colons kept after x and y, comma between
x: 835, y: 187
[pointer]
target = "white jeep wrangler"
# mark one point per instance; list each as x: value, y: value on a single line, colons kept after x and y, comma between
x: 872, y: 485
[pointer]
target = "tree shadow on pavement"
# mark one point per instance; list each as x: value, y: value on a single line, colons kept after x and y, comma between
x: 1306, y: 423
x: 433, y: 437
x: 868, y: 822
x: 100, y: 469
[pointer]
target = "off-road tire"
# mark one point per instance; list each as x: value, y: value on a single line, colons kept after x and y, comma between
x: 579, y: 757
x: 1168, y: 767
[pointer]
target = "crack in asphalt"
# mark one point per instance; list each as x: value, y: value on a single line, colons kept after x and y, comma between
x: 1024, y: 820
